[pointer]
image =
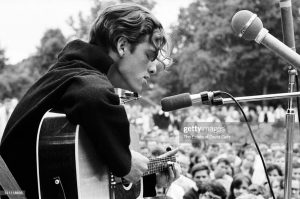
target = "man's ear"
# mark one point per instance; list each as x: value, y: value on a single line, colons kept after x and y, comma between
x: 122, y: 46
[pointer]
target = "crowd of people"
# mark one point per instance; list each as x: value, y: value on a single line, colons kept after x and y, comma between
x: 217, y: 170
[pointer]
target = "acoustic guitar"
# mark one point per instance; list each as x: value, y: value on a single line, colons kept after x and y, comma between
x: 69, y: 167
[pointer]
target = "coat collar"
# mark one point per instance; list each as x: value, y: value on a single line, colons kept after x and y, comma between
x: 93, y: 55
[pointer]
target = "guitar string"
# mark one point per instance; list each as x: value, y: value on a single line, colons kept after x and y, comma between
x: 154, y: 162
x: 158, y: 164
x: 162, y: 159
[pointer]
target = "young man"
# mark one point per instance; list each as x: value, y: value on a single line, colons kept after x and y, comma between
x: 125, y: 48
x: 200, y: 175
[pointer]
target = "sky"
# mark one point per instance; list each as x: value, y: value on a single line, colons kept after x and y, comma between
x: 24, y: 22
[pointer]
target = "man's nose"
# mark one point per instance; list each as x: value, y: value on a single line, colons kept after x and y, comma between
x: 152, y: 69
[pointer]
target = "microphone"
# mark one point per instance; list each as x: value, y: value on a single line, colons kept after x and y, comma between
x: 248, y: 26
x: 184, y: 100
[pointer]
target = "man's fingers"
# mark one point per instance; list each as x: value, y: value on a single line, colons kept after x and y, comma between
x: 170, y: 153
x: 177, y: 170
x: 171, y: 175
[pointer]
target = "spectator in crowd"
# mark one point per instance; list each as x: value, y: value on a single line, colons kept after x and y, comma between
x: 270, y: 114
x: 252, y: 115
x: 212, y: 190
x: 279, y: 114
x: 197, y: 156
x: 208, y: 190
x: 200, y: 173
x: 222, y: 114
x: 274, y: 171
x: 296, y: 151
x: 257, y: 190
x: 220, y: 175
x: 239, y: 186
x: 213, y: 151
x: 246, y: 167
x: 209, y: 116
x: 261, y: 114
x: 232, y: 115
x: 296, y: 170
x: 230, y: 171
x: 247, y: 114
x: 295, y: 189
x: 231, y: 155
x: 277, y: 187
x: 184, y: 180
x: 161, y: 119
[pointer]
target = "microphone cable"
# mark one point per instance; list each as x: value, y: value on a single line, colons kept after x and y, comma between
x: 252, y: 135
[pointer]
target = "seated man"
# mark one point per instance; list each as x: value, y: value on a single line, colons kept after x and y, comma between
x: 126, y: 47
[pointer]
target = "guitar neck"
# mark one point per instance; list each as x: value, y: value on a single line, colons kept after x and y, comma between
x: 158, y: 164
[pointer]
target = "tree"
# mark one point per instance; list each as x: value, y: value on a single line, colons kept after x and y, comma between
x: 3, y: 60
x: 16, y: 79
x: 12, y: 79
x: 208, y: 56
x: 52, y: 43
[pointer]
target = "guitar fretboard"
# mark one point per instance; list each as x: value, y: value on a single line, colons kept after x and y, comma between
x: 158, y: 164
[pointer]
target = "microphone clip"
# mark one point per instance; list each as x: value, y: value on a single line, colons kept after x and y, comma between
x: 211, y: 98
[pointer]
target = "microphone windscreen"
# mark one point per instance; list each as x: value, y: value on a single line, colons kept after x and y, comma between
x: 176, y: 102
x: 240, y: 22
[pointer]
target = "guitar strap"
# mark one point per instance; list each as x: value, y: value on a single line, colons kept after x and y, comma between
x: 8, y: 183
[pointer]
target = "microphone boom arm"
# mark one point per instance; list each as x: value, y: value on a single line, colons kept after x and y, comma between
x: 261, y: 97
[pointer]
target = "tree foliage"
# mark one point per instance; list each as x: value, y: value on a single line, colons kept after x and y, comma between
x: 51, y: 44
x: 208, y: 56
x: 3, y: 59
x: 16, y: 79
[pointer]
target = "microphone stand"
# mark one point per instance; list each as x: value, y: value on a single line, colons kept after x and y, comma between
x: 289, y: 40
x: 259, y: 97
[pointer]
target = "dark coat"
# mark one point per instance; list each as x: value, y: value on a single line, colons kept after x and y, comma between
x: 77, y: 85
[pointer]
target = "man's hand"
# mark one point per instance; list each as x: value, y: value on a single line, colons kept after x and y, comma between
x: 164, y: 179
x: 139, y: 165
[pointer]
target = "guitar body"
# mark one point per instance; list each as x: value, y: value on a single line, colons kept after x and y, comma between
x: 68, y: 166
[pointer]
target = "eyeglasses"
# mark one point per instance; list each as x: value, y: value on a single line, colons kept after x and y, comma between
x: 209, y: 195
